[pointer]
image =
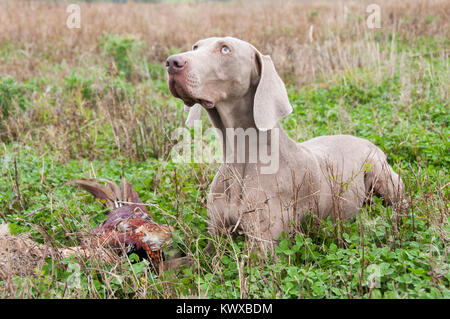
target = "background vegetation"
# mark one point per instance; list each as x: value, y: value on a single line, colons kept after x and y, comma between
x: 93, y: 102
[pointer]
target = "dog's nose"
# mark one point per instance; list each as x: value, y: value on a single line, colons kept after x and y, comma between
x: 175, y: 63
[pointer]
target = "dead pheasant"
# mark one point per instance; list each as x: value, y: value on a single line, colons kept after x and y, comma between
x: 129, y: 225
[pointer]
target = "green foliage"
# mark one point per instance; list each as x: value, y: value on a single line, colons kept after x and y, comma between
x: 13, y: 93
x: 76, y: 84
x: 430, y: 19
x: 414, y: 133
x: 123, y: 50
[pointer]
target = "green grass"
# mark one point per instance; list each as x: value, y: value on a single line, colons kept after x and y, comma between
x: 403, y: 110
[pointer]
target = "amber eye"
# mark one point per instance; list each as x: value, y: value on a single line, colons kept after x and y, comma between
x: 195, y: 47
x: 225, y: 50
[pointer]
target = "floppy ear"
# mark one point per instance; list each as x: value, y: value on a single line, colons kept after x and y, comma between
x: 194, y: 113
x: 271, y: 101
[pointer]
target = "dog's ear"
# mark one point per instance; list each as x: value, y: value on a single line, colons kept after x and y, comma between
x: 271, y: 102
x: 194, y: 113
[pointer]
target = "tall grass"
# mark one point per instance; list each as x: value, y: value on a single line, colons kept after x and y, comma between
x: 93, y: 102
x: 304, y: 38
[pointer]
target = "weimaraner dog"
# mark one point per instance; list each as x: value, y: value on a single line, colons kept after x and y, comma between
x: 328, y: 176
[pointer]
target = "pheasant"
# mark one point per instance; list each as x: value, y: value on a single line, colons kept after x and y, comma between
x: 129, y: 225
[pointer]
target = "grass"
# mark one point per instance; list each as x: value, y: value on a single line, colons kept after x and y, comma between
x: 94, y: 103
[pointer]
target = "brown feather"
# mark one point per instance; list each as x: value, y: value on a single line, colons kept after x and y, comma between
x: 96, y: 189
x: 130, y: 195
x: 126, y: 188
x: 113, y: 188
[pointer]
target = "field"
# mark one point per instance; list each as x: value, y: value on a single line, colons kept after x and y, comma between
x: 93, y: 102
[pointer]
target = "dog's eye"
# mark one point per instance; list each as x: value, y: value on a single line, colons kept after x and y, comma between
x: 225, y: 49
x: 195, y: 47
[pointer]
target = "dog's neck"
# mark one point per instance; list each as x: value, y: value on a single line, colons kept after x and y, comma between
x: 234, y: 117
x: 238, y: 112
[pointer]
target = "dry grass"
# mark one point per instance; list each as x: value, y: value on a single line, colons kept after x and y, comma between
x: 304, y: 38
x: 307, y: 40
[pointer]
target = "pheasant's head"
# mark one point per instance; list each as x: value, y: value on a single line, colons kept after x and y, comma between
x: 155, y: 236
